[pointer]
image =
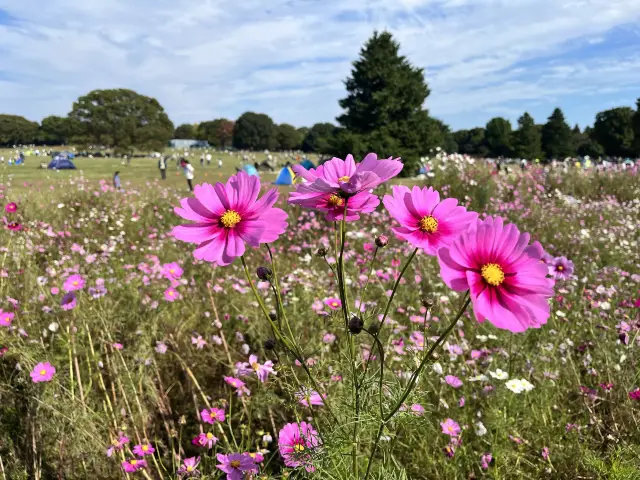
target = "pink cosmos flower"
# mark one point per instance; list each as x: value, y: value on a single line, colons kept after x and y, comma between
x: 262, y: 371
x: 545, y: 453
x: 346, y: 176
x: 454, y: 381
x: 426, y: 222
x: 417, y: 409
x: 133, y: 465
x: 172, y: 270
x: 485, y: 460
x: 171, y: 295
x: 297, y: 444
x: 333, y: 204
x: 450, y: 427
x: 308, y: 398
x: 6, y: 318
x: 508, y: 284
x: 234, y: 382
x: 118, y: 444
x: 333, y: 303
x: 15, y: 226
x: 235, y: 464
x: 42, y: 372
x: 212, y: 415
x: 561, y: 268
x: 205, y: 440
x: 73, y: 283
x: 10, y: 207
x: 257, y: 457
x: 143, y: 449
x: 228, y: 216
x: 189, y: 467
x: 635, y: 394
x: 68, y: 301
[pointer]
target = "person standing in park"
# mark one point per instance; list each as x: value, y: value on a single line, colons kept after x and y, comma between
x: 162, y: 165
x: 116, y: 181
x: 219, y: 163
x: 188, y: 173
x: 208, y: 159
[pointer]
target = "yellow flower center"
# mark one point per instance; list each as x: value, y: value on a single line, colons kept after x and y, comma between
x: 252, y: 455
x: 335, y: 304
x: 75, y: 283
x: 210, y: 435
x: 171, y: 293
x: 43, y: 372
x: 336, y: 201
x: 145, y: 448
x: 429, y: 224
x: 230, y: 219
x: 255, y: 366
x: 189, y: 468
x: 298, y: 448
x: 492, y: 274
x: 172, y: 271
x: 560, y: 268
x: 235, y: 464
x: 133, y: 462
x: 344, y: 179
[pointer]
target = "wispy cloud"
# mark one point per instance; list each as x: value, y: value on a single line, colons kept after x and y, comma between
x: 288, y: 58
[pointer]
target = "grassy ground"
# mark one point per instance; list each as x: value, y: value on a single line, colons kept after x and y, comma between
x: 131, y: 357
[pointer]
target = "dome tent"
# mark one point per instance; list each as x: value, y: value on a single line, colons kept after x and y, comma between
x: 285, y: 177
x: 61, y: 162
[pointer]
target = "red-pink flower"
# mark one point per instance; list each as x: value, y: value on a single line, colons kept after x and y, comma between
x: 133, y: 465
x: 507, y: 281
x: 297, y: 444
x: 426, y: 222
x: 143, y: 449
x: 205, y: 440
x: 171, y: 294
x: 333, y: 303
x: 6, y: 318
x: 73, y: 283
x: 10, y: 207
x: 172, y: 270
x: 333, y: 204
x: 228, y: 216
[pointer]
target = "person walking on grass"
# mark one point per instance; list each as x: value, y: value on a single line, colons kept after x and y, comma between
x: 116, y: 181
x: 162, y: 165
x: 188, y: 172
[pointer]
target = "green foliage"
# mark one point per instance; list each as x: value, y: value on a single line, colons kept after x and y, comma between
x: 586, y: 145
x: 56, y: 130
x: 15, y: 130
x: 636, y: 128
x: 288, y: 137
x: 384, y: 106
x: 254, y: 131
x: 122, y: 119
x: 218, y: 132
x: 527, y: 142
x: 557, y: 141
x: 613, y: 130
x: 471, y: 142
x: 186, y: 131
x: 319, y: 138
x: 498, y: 136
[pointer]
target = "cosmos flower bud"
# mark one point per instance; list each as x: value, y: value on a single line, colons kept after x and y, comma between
x: 273, y: 316
x: 321, y: 252
x: 269, y: 344
x: 264, y: 273
x: 355, y: 325
x: 382, y: 241
x: 427, y: 303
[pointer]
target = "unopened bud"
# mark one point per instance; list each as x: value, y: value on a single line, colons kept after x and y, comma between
x: 273, y: 316
x: 264, y: 273
x: 382, y: 241
x: 427, y: 303
x: 322, y: 252
x: 269, y: 344
x: 355, y: 325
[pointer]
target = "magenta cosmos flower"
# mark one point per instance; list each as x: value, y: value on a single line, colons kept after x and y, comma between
x: 236, y: 464
x: 205, y: 440
x: 68, y: 301
x: 425, y: 221
x: 6, y: 318
x: 43, y: 372
x: 10, y: 207
x: 172, y: 270
x: 309, y: 397
x: 189, y: 467
x: 297, y: 444
x: 262, y: 370
x: 333, y: 204
x: 143, y: 449
x: 508, y: 283
x: 333, y: 303
x: 73, y: 283
x: 212, y: 415
x: 561, y: 268
x: 450, y: 427
x: 228, y: 216
x: 133, y: 465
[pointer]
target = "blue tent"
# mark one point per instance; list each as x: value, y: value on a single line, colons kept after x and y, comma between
x: 307, y: 164
x: 61, y: 162
x: 251, y: 170
x: 285, y: 177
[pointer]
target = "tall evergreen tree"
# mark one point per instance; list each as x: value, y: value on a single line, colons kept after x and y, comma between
x: 384, y: 106
x: 556, y: 137
x: 613, y: 129
x: 471, y: 142
x: 527, y: 142
x: 254, y: 131
x: 498, y: 136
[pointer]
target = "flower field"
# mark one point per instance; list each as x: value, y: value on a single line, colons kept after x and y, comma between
x: 350, y: 327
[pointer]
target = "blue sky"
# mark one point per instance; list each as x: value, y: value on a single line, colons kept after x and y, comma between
x: 204, y: 59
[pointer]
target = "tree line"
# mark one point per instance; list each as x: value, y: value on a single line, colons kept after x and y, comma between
x: 383, y: 111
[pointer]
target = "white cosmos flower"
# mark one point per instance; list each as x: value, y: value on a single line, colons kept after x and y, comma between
x: 519, y: 385
x: 499, y: 374
x: 480, y: 429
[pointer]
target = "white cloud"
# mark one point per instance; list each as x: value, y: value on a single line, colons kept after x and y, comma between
x: 288, y: 58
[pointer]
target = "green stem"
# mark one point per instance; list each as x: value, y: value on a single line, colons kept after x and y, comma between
x: 395, y: 287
